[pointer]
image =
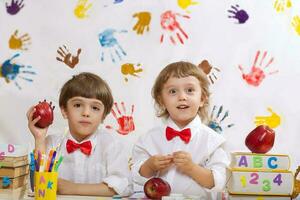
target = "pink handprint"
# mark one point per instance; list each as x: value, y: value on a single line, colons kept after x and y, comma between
x: 126, y: 123
x: 171, y: 26
x: 256, y: 75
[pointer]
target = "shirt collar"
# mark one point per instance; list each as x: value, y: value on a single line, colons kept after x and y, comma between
x: 193, y: 125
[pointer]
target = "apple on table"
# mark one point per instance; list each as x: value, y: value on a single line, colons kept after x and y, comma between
x: 156, y: 188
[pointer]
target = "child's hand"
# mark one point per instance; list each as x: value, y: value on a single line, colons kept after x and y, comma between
x: 159, y: 162
x: 38, y: 133
x: 64, y: 186
x: 183, y: 161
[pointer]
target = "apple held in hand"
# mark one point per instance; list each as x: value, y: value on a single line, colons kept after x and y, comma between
x: 261, y: 139
x: 156, y: 188
x: 45, y: 111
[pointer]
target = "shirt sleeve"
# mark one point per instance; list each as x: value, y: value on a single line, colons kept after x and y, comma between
x: 118, y: 174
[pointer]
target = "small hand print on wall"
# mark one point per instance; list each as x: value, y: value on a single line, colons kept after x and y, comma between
x: 272, y: 120
x: 110, y: 45
x: 10, y: 71
x: 81, y: 9
x: 66, y: 57
x: 282, y: 5
x: 171, y: 27
x: 125, y: 122
x: 239, y: 14
x: 130, y: 69
x: 185, y: 4
x: 19, y: 43
x: 217, y: 124
x: 14, y: 7
x: 209, y: 70
x: 144, y: 19
x: 257, y: 74
x: 296, y: 24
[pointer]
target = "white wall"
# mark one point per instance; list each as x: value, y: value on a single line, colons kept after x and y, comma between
x: 212, y: 36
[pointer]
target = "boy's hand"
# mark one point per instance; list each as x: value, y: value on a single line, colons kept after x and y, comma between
x: 65, y: 187
x: 159, y: 162
x: 183, y: 161
x: 38, y: 133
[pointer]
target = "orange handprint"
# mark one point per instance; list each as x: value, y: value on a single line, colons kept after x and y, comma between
x: 67, y: 58
x: 281, y: 5
x: 81, y: 8
x: 143, y: 22
x: 129, y: 68
x: 256, y: 75
x: 21, y: 42
x: 125, y: 122
x: 171, y: 26
x: 209, y: 70
x: 184, y: 4
x: 272, y: 121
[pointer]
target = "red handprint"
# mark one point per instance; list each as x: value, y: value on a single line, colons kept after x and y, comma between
x: 126, y: 123
x: 172, y: 27
x: 256, y: 75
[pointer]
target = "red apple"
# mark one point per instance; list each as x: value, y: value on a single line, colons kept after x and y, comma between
x: 261, y: 139
x: 45, y: 111
x: 156, y: 188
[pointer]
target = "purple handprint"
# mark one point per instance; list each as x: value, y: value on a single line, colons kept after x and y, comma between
x: 109, y: 43
x: 14, y: 7
x: 239, y: 14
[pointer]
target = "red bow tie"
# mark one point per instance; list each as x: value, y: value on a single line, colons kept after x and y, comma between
x: 85, y: 147
x: 185, y: 134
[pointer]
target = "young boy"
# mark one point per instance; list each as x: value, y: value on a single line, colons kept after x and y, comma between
x: 94, y: 162
x: 182, y: 150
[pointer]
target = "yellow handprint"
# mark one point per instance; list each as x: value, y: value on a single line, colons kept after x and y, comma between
x: 21, y: 42
x: 280, y: 5
x: 81, y: 9
x: 296, y: 24
x: 129, y: 68
x: 184, y: 4
x: 272, y: 121
x: 143, y: 22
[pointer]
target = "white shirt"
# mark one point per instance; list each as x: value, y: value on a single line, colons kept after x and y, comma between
x: 107, y: 162
x: 206, y: 150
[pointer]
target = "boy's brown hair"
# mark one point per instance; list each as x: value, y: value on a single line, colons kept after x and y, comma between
x: 87, y: 85
x: 179, y: 70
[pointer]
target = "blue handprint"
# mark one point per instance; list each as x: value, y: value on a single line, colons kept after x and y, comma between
x: 5, y: 181
x: 239, y: 14
x: 10, y: 71
x: 215, y: 123
x: 14, y: 7
x: 109, y: 43
x: 118, y: 1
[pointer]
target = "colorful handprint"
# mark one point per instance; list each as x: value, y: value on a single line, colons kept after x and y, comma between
x: 184, y: 4
x: 130, y: 69
x: 209, y: 70
x: 239, y: 14
x: 281, y: 5
x: 19, y: 43
x: 171, y: 27
x: 272, y: 121
x: 66, y: 57
x: 296, y: 24
x: 215, y: 123
x: 10, y: 71
x: 81, y: 9
x: 109, y: 43
x: 125, y: 122
x: 14, y: 7
x: 257, y: 75
x: 143, y: 22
